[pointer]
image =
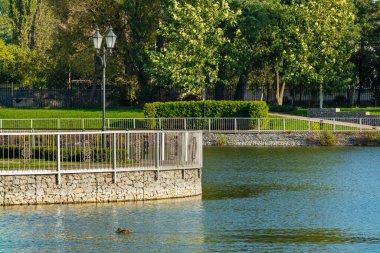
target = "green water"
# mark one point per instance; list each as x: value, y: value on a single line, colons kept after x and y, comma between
x: 306, y: 199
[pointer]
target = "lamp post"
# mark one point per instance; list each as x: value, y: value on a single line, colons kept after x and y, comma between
x: 101, y: 56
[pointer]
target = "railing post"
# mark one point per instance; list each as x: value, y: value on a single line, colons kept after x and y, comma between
x: 114, y: 158
x: 127, y: 146
x: 59, y: 123
x: 159, y: 123
x: 209, y: 125
x: 58, y: 159
x: 134, y: 123
x: 31, y: 123
x: 163, y: 146
x: 235, y: 124
x: 184, y: 122
x: 308, y: 125
x: 82, y: 123
x: 108, y: 123
x: 361, y: 124
x: 1, y: 123
x: 186, y: 146
x: 334, y: 125
x: 284, y: 124
x: 258, y: 124
x: 157, y: 155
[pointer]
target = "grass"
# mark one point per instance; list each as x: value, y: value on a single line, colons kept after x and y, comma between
x: 119, y: 112
x: 17, y: 163
x: 371, y: 110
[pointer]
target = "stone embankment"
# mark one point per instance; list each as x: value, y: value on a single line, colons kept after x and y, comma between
x: 288, y: 139
x: 99, y: 187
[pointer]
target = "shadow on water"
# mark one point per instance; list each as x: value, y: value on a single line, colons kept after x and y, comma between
x: 297, y: 236
x: 213, y: 192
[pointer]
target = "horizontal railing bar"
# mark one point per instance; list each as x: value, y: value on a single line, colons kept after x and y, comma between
x: 137, y: 169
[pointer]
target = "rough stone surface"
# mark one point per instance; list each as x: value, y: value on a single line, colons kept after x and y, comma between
x: 285, y: 139
x: 99, y: 187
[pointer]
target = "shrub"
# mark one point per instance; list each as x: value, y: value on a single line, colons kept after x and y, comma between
x: 373, y: 136
x: 214, y: 109
x: 221, y: 140
x: 328, y: 139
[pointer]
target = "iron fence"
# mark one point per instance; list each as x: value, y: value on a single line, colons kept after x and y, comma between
x: 205, y: 124
x: 84, y: 152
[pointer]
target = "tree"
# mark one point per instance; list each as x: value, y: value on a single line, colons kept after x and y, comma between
x: 366, y: 59
x: 142, y: 20
x: 320, y: 43
x: 193, y: 34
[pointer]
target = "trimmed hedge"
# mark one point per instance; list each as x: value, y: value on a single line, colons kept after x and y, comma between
x: 213, y: 109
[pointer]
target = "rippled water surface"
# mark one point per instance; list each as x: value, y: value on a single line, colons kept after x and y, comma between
x: 255, y: 200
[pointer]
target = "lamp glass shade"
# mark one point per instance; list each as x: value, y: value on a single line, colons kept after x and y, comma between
x: 110, y: 39
x: 97, y: 38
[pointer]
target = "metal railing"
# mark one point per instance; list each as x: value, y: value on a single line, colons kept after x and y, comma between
x: 112, y: 151
x: 205, y: 124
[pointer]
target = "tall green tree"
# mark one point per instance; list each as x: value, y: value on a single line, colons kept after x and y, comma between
x: 194, y: 34
x: 321, y: 43
x: 367, y: 58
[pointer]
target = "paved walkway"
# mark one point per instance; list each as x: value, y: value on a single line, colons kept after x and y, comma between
x: 337, y: 122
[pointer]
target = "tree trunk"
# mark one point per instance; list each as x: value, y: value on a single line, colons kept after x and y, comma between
x: 280, y: 89
x: 32, y: 32
x: 360, y: 74
x: 144, y: 95
x: 219, y: 90
x: 241, y: 86
x: 321, y: 96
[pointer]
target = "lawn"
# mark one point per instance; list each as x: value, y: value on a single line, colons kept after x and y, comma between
x: 371, y: 110
x: 119, y: 112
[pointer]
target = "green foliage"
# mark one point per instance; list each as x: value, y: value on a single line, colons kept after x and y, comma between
x: 220, y: 140
x: 17, y: 65
x: 213, y: 109
x: 373, y: 136
x: 195, y: 35
x: 327, y: 139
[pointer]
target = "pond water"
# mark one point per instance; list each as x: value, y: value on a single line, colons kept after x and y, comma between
x: 308, y: 199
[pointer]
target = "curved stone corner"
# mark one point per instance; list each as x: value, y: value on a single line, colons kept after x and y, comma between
x: 99, y: 187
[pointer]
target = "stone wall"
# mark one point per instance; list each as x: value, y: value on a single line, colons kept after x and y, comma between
x: 99, y: 187
x: 287, y: 139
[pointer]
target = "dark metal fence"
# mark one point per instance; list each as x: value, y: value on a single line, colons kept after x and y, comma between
x: 81, y: 97
x: 14, y: 97
x: 310, y: 97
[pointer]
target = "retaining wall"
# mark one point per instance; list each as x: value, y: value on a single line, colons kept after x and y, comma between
x: 287, y: 139
x: 99, y: 187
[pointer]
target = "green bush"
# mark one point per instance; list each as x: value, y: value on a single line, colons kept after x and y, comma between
x: 221, y: 140
x: 213, y: 109
x: 328, y: 139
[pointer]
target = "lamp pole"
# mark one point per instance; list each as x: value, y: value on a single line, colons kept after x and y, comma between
x: 101, y: 52
x: 104, y: 89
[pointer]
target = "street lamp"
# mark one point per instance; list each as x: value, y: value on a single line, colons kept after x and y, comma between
x: 101, y: 56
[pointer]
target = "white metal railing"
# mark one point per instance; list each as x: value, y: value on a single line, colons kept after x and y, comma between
x: 112, y: 151
x: 205, y: 124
